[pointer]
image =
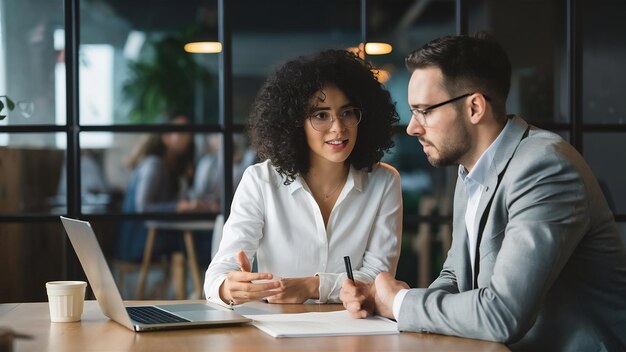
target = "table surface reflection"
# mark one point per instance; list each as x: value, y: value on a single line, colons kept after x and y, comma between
x: 95, y: 332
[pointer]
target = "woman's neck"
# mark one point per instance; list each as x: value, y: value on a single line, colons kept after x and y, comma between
x: 325, y: 180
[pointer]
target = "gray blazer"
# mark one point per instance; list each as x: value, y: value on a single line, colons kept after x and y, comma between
x: 551, y: 265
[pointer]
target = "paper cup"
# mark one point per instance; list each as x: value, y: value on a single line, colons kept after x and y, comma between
x: 66, y: 299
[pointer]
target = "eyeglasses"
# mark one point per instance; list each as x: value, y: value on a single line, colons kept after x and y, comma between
x: 323, y: 120
x: 420, y: 114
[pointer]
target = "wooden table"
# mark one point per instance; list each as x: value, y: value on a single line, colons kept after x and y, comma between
x: 95, y: 332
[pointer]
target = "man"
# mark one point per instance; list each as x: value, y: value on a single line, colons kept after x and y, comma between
x: 536, y: 260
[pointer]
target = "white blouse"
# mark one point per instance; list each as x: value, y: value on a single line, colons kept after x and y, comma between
x: 283, y: 226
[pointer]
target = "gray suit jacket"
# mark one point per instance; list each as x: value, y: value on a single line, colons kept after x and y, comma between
x: 551, y: 265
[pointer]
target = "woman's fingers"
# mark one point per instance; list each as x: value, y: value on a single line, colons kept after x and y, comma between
x: 243, y: 261
x: 242, y: 290
x: 244, y: 276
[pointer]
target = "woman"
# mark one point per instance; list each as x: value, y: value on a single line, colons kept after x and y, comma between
x: 160, y: 164
x: 323, y: 123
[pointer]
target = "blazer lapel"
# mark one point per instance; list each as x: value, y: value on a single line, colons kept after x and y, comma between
x: 491, y: 183
x: 463, y: 270
x: 513, y: 134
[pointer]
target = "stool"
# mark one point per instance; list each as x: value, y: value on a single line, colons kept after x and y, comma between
x: 177, y: 260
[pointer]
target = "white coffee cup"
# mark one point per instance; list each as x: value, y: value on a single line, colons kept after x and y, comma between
x: 66, y: 299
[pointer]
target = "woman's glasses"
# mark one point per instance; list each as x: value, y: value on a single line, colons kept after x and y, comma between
x: 323, y: 120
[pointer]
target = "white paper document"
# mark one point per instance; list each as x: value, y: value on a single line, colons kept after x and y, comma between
x: 321, y: 324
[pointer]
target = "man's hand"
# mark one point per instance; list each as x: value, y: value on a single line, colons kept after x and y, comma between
x: 386, y: 290
x: 297, y: 290
x: 238, y: 287
x: 358, y: 298
x: 362, y: 299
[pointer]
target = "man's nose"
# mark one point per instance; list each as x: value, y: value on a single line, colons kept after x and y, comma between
x: 414, y: 128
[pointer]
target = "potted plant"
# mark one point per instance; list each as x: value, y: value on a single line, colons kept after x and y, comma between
x: 165, y: 80
x: 10, y: 105
x: 25, y: 107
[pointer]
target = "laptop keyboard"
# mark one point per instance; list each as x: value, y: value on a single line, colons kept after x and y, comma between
x: 153, y: 315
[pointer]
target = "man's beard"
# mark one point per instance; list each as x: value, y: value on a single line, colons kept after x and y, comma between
x: 452, y: 148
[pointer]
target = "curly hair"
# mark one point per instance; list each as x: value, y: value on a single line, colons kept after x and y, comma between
x: 276, y: 123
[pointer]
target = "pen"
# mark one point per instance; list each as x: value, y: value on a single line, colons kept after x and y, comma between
x: 346, y: 260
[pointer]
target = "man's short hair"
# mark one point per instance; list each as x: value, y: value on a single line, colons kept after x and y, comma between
x: 469, y: 64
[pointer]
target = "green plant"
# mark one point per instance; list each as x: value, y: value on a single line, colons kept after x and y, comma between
x: 164, y: 81
x: 9, y: 104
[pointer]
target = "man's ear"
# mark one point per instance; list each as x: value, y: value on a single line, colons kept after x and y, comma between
x: 477, y: 107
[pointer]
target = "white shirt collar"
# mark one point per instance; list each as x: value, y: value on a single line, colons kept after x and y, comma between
x: 356, y: 179
x: 479, y: 172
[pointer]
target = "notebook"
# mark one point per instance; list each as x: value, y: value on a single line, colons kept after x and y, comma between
x: 338, y: 323
x: 137, y: 318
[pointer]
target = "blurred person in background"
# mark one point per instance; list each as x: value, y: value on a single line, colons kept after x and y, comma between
x: 163, y: 166
x: 210, y: 169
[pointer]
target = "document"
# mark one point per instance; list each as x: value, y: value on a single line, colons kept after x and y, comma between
x: 338, y: 323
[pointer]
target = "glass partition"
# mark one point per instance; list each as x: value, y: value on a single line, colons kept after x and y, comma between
x: 536, y: 50
x: 600, y: 149
x: 114, y: 169
x: 134, y: 68
x: 603, y: 57
x: 28, y: 61
x: 31, y: 165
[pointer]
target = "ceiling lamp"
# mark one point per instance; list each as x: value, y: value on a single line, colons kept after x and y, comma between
x: 377, y: 48
x: 203, y: 47
x: 371, y: 49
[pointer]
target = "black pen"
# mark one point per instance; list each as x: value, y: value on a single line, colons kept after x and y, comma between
x: 346, y: 260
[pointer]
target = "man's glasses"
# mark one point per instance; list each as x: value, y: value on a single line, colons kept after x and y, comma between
x: 420, y: 114
x: 323, y: 120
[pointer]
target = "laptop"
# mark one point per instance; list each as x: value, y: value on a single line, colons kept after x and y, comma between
x: 137, y: 318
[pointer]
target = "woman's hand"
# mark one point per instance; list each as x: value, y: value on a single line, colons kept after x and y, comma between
x: 238, y: 288
x: 296, y: 290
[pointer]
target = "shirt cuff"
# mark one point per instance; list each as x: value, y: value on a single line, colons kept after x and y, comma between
x: 397, y: 302
x: 218, y: 301
x: 214, y: 294
x: 327, y: 285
